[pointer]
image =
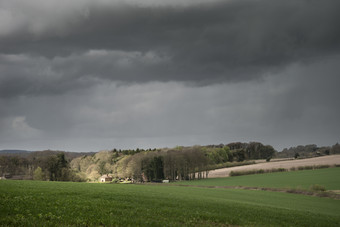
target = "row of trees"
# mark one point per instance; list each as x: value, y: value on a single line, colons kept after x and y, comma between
x: 187, y: 163
x: 131, y: 151
x: 173, y: 164
x: 149, y: 165
x: 308, y: 151
x: 52, y: 166
x: 15, y: 165
x: 55, y: 168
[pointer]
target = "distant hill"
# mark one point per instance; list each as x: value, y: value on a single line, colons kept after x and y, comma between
x: 14, y: 152
x: 40, y: 154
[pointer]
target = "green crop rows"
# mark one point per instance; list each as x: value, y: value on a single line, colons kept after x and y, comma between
x: 32, y: 203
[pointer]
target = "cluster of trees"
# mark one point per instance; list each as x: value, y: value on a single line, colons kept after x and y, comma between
x: 173, y: 164
x: 131, y: 151
x: 179, y: 163
x: 335, y: 149
x: 251, y: 151
x: 259, y: 151
x: 91, y: 167
x: 15, y: 166
x: 187, y: 163
x: 45, y: 165
x: 55, y: 168
x: 219, y: 154
x: 150, y: 164
x: 308, y: 151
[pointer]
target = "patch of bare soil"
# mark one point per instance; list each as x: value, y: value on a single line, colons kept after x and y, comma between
x: 335, y: 191
x: 287, y: 164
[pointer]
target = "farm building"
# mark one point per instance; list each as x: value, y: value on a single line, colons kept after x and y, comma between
x: 106, y: 178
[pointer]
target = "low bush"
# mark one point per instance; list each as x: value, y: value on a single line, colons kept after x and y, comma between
x: 305, y: 167
x: 310, y: 167
x: 322, y: 166
x: 259, y: 171
x: 115, y: 180
x: 317, y: 187
x: 256, y: 171
x: 229, y: 164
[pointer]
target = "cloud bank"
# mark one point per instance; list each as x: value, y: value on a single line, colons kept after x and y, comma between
x: 125, y: 73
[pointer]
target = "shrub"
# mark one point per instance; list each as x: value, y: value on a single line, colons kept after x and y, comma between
x: 229, y: 164
x: 322, y: 166
x: 233, y: 174
x: 300, y: 167
x: 38, y: 174
x: 254, y: 171
x: 260, y: 171
x: 115, y: 180
x: 317, y: 187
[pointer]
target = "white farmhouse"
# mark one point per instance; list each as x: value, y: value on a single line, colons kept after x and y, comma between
x: 106, y: 178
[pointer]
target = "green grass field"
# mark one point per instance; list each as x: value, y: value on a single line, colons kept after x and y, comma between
x: 33, y: 203
x: 329, y: 178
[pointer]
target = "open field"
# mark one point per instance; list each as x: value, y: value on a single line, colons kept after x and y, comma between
x: 324, y: 160
x: 32, y: 203
x: 304, y: 179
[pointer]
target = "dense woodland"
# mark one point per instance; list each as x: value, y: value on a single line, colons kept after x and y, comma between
x: 179, y: 163
x: 308, y: 151
x: 40, y: 165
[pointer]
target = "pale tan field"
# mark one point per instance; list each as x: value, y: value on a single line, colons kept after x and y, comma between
x: 287, y: 164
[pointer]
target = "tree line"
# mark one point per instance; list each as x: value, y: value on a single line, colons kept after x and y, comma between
x: 178, y: 163
x: 172, y: 164
x: 45, y: 165
x: 308, y: 151
x: 188, y: 163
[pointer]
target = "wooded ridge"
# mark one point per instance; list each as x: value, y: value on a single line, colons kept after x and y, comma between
x: 178, y: 163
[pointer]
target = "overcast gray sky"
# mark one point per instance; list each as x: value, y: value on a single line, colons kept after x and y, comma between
x: 87, y: 75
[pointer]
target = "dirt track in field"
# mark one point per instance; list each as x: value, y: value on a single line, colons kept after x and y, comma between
x: 287, y: 164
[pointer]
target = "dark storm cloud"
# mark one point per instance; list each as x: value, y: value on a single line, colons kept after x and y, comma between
x: 88, y: 75
x: 297, y: 106
x: 200, y: 43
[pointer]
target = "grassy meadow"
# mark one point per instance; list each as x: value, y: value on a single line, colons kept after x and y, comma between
x: 34, y: 203
x: 304, y: 179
